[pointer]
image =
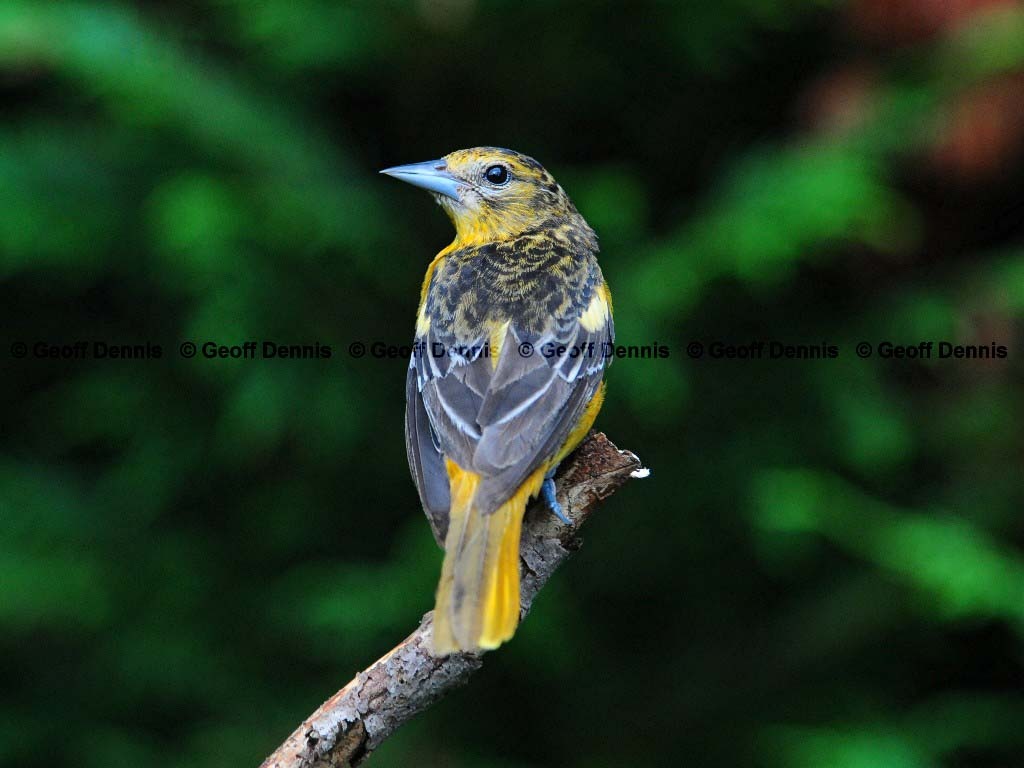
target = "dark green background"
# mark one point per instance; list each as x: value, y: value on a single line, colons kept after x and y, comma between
x: 825, y: 567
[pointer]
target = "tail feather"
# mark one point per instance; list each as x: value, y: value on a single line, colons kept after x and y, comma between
x: 478, y: 596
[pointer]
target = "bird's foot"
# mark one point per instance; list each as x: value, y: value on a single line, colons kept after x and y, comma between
x: 548, y: 489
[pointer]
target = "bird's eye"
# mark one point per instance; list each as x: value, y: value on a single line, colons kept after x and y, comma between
x: 496, y: 174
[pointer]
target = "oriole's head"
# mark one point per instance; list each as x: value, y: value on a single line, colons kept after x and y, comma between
x: 492, y: 194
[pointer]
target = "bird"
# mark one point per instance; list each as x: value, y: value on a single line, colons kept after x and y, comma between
x: 506, y: 376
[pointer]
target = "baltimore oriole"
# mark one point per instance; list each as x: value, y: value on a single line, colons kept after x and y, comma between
x: 506, y: 375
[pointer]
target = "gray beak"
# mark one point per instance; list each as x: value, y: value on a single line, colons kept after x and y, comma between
x: 432, y: 176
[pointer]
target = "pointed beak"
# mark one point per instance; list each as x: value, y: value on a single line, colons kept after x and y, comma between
x: 432, y: 176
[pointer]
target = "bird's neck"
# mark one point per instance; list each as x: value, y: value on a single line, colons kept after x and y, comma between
x: 507, y: 223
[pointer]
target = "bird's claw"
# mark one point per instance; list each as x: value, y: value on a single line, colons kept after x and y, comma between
x: 548, y: 489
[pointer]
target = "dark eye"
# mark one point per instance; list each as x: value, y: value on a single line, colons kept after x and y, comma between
x: 496, y: 174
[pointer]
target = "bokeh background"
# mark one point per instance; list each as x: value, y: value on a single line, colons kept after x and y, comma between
x: 825, y: 567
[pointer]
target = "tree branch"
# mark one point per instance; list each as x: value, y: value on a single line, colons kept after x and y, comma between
x: 408, y: 679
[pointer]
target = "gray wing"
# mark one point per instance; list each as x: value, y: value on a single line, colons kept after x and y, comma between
x: 532, y: 405
x: 425, y: 460
x: 501, y: 421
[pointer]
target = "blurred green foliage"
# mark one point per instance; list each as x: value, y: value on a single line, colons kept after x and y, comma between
x: 825, y: 566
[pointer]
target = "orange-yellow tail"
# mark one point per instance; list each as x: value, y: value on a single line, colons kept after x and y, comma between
x: 477, y: 604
